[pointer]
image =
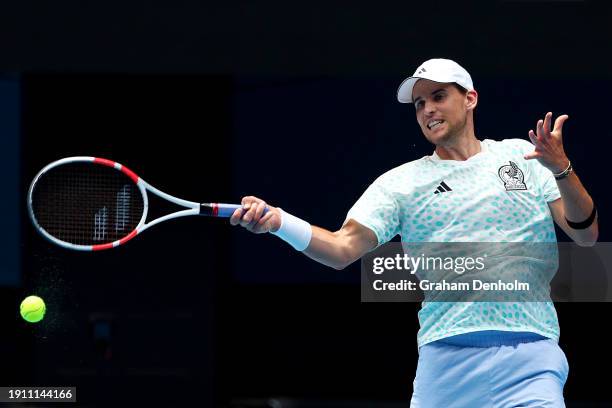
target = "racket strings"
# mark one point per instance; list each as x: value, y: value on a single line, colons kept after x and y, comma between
x: 86, y: 203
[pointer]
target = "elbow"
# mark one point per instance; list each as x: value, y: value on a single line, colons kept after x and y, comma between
x: 341, y: 266
x: 341, y: 263
x: 343, y: 259
x: 590, y: 238
x: 588, y: 243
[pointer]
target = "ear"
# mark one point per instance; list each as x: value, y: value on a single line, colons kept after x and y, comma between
x: 471, y: 100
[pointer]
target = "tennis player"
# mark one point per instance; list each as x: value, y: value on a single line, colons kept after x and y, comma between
x: 466, y: 359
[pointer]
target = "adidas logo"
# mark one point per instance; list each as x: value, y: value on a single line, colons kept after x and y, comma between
x: 443, y: 188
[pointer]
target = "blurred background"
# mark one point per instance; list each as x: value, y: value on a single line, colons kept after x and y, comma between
x: 294, y: 103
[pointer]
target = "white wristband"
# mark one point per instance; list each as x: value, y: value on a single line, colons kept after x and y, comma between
x: 294, y: 231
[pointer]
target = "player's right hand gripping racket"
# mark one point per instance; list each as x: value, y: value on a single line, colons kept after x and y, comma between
x: 90, y: 204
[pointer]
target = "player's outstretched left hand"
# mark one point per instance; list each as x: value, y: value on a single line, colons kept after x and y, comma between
x: 549, y: 144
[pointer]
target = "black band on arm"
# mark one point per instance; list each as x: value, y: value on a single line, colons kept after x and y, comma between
x: 583, y: 224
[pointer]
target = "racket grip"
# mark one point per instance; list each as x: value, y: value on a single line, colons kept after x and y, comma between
x: 220, y: 210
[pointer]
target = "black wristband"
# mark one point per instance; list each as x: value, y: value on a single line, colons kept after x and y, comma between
x: 583, y: 224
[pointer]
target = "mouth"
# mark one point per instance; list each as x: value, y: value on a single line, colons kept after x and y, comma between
x: 432, y: 124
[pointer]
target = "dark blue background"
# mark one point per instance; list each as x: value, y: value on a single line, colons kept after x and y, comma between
x: 294, y: 103
x: 9, y: 168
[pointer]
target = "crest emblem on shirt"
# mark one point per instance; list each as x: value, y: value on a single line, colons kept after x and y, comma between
x: 512, y: 176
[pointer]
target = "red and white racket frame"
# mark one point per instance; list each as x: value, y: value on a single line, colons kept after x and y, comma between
x: 192, y: 207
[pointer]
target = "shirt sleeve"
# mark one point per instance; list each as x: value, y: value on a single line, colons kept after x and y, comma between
x: 550, y: 189
x: 543, y: 177
x: 377, y: 210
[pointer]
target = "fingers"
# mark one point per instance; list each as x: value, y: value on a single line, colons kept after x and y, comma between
x: 249, y: 215
x: 263, y: 224
x: 546, y: 125
x: 235, y: 218
x: 540, y: 130
x: 254, y: 214
x: 265, y: 218
x: 532, y: 137
x: 260, y: 210
x: 548, y: 145
x: 543, y: 128
x: 249, y: 199
x: 534, y: 141
x: 559, y: 123
x: 537, y: 144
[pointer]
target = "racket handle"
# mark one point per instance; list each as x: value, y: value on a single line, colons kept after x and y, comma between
x: 220, y: 210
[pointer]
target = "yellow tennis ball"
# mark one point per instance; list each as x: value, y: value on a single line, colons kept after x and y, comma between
x: 32, y: 309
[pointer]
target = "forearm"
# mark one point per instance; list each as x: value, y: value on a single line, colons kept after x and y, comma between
x: 335, y: 249
x: 317, y: 243
x: 329, y: 248
x: 577, y: 201
x: 577, y: 207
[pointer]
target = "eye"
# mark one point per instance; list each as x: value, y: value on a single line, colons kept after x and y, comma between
x: 418, y: 104
x: 439, y: 97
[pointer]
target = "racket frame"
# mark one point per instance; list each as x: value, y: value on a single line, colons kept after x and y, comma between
x: 192, y: 207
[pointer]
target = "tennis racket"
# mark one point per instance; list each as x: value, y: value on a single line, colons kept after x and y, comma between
x: 91, y: 204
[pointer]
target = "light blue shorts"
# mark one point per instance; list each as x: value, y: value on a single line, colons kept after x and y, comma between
x: 527, y: 371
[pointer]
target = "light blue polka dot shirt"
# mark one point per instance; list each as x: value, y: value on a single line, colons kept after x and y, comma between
x: 494, y: 196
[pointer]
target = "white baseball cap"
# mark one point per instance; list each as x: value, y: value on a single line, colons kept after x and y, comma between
x: 438, y: 70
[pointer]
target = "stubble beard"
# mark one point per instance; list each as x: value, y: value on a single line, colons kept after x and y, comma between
x: 452, y: 135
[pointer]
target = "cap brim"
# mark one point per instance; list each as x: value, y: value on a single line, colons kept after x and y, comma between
x: 404, y: 92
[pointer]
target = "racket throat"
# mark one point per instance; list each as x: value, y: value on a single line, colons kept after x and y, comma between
x: 209, y: 210
x: 218, y: 209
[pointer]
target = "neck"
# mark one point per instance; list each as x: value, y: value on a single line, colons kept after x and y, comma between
x: 459, y: 148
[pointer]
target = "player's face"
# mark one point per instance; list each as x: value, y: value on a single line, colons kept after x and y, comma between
x: 441, y: 110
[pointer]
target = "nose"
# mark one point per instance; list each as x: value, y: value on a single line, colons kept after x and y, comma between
x: 429, y: 107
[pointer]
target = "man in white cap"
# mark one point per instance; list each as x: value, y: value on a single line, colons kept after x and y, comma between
x: 479, y: 190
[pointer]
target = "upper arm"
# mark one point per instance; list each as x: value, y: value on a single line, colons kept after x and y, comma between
x: 558, y: 214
